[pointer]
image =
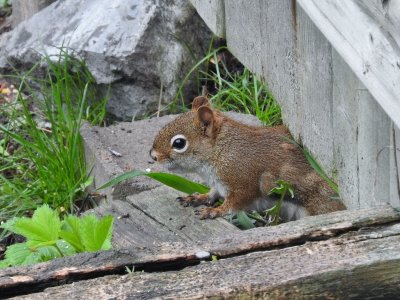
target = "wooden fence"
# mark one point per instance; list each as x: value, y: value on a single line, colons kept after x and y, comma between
x: 334, y: 67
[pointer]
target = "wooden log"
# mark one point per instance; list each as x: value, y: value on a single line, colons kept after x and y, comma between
x: 175, y: 256
x: 362, y: 264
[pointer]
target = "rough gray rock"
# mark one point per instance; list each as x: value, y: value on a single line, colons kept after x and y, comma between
x: 136, y: 46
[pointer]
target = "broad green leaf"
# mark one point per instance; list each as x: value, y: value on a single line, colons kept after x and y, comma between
x: 66, y: 248
x: 70, y: 232
x: 96, y: 234
x: 4, y: 264
x: 16, y: 254
x: 42, y: 253
x: 21, y: 254
x: 244, y: 221
x: 44, y: 226
x: 177, y: 182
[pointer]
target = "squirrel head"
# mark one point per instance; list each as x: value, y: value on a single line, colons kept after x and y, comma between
x: 188, y: 140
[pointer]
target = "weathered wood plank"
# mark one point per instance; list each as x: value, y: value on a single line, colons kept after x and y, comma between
x: 386, y: 13
x: 132, y: 227
x: 22, y: 280
x: 364, y: 264
x: 314, y: 72
x: 161, y: 206
x: 266, y: 45
x: 373, y: 151
x: 346, y: 94
x: 213, y: 14
x: 365, y: 46
x: 362, y: 138
x: 153, y: 216
x: 394, y: 166
x: 307, y: 229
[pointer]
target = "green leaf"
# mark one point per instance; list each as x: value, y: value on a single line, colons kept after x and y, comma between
x: 65, y: 248
x: 21, y: 254
x: 16, y: 254
x: 70, y: 232
x: 177, y: 182
x: 44, y: 225
x: 42, y: 252
x: 282, y: 187
x: 244, y: 221
x: 96, y: 234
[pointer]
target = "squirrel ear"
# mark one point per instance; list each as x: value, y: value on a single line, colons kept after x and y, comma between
x: 199, y: 101
x: 205, y: 115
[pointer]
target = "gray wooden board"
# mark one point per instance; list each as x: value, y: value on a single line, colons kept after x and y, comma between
x: 155, y: 216
x: 346, y: 90
x: 213, y: 13
x: 366, y: 46
x: 161, y: 205
x: 132, y: 227
x: 358, y: 264
x: 23, y: 280
x: 314, y: 72
x: 373, y: 150
x: 362, y: 141
x: 261, y: 35
x: 395, y: 166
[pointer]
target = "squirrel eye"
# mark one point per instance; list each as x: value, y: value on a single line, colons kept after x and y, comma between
x: 179, y: 143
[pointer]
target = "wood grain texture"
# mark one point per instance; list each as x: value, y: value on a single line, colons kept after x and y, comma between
x: 154, y: 216
x: 261, y: 34
x: 160, y: 205
x: 365, y: 45
x: 394, y: 166
x: 358, y: 264
x: 373, y: 150
x: 346, y: 90
x: 176, y: 255
x: 362, y: 138
x: 314, y: 72
x: 213, y: 13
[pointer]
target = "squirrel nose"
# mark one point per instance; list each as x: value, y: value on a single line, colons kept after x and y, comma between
x: 152, y: 155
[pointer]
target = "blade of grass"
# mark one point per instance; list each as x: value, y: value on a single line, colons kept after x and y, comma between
x: 177, y: 182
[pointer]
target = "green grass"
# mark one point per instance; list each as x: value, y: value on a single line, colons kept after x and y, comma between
x: 240, y: 92
x: 48, y: 166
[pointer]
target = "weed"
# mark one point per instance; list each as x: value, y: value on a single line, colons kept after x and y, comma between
x: 237, y: 91
x: 47, y: 164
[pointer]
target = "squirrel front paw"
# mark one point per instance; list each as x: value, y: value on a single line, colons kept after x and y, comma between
x: 210, y: 212
x: 194, y: 200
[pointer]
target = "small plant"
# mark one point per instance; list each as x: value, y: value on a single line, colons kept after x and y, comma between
x: 235, y: 91
x: 282, y: 189
x: 48, y: 237
x: 46, y: 164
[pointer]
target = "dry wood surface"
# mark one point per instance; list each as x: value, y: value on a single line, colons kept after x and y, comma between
x: 351, y: 253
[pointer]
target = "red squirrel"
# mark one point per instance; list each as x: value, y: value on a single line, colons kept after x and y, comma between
x: 240, y: 163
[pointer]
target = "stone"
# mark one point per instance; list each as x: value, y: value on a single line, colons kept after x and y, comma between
x: 135, y: 46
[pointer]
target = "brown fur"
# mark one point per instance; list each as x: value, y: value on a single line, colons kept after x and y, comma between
x: 247, y: 160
